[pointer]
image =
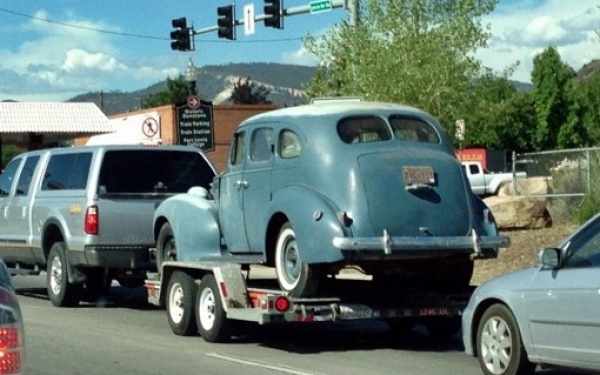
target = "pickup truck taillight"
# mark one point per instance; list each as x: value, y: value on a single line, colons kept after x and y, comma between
x: 91, y: 220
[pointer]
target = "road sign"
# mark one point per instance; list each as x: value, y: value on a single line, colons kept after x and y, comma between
x: 320, y: 6
x: 249, y: 19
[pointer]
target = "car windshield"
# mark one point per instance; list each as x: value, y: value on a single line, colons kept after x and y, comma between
x: 153, y: 171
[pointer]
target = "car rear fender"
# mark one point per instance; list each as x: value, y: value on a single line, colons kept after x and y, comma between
x: 195, y: 225
x: 315, y: 222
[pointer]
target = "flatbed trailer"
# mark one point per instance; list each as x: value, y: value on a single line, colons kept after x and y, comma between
x: 208, y: 297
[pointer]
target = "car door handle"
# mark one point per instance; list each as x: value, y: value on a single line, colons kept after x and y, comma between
x: 241, y: 184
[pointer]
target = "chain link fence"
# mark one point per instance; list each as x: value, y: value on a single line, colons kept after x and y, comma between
x: 563, y: 177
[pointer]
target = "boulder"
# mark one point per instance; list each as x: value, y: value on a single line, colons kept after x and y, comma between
x: 519, y: 212
x: 528, y: 186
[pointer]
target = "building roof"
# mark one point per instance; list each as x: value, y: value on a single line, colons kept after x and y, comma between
x: 52, y: 117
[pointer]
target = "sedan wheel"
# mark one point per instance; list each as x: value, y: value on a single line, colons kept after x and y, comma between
x: 500, y: 349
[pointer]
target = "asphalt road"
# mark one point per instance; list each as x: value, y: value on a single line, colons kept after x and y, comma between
x: 124, y: 335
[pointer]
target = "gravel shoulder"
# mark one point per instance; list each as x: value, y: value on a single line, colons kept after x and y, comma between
x: 523, y: 251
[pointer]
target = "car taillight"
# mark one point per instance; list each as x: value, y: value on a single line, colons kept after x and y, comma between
x: 91, y: 220
x: 10, y: 349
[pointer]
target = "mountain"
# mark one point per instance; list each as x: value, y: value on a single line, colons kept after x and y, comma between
x: 215, y: 83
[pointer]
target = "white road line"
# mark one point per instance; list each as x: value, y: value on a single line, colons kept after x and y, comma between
x: 265, y: 365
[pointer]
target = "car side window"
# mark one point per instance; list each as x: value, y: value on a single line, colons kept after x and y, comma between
x: 413, y: 129
x: 362, y: 129
x: 7, y: 177
x: 67, y: 171
x: 237, y: 149
x: 585, y: 249
x: 27, y: 175
x: 289, y: 144
x: 261, y: 145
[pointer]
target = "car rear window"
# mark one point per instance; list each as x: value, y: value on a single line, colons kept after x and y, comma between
x: 413, y: 129
x: 153, y: 171
x: 363, y: 129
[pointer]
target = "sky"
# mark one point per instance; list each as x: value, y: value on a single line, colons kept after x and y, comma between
x: 52, y: 50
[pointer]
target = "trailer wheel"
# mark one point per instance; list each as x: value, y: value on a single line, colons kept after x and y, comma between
x: 180, y: 303
x: 297, y: 278
x: 60, y: 292
x: 165, y: 246
x: 443, y: 326
x: 210, y: 315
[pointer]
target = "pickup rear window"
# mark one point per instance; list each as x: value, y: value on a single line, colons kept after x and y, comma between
x: 153, y: 171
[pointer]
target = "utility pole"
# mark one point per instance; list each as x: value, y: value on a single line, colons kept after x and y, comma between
x: 354, y: 10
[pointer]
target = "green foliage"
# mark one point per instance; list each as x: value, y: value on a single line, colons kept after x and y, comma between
x: 177, y: 92
x: 416, y: 52
x: 591, y: 202
x: 589, y: 98
x: 247, y: 93
x: 556, y: 106
x: 8, y: 152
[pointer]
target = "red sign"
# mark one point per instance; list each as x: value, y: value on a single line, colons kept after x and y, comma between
x: 473, y: 154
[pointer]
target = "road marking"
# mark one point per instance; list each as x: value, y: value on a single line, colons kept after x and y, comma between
x: 265, y: 365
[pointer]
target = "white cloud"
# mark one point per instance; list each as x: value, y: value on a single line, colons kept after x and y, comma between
x: 521, y: 31
x: 80, y: 59
x: 299, y: 57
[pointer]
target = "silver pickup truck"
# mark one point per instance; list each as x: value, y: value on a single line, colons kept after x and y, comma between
x: 84, y: 214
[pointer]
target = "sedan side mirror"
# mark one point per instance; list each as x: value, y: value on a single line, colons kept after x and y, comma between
x: 550, y: 257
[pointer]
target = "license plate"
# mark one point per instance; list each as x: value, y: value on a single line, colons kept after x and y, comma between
x: 418, y: 175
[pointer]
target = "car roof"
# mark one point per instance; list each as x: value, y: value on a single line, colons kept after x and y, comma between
x: 110, y: 147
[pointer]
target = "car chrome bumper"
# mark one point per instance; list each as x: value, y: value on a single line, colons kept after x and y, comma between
x: 472, y: 244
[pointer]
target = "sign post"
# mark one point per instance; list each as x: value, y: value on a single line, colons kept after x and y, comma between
x: 195, y: 124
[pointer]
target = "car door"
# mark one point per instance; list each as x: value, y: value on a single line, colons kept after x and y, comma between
x: 257, y: 192
x: 231, y: 187
x: 564, y: 303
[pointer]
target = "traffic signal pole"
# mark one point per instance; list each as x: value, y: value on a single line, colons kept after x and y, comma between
x: 302, y: 9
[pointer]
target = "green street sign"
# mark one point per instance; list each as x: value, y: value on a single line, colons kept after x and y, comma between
x: 320, y: 6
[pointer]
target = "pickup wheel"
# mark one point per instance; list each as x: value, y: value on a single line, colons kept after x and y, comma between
x: 297, y: 278
x: 180, y: 303
x: 166, y: 249
x: 60, y: 292
x: 210, y: 315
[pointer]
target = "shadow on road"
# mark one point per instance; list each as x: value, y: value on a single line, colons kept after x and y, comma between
x: 115, y: 297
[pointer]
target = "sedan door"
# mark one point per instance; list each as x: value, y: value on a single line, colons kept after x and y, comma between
x: 564, y: 303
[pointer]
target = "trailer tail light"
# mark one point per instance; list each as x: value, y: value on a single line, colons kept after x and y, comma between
x: 282, y: 304
x: 91, y: 220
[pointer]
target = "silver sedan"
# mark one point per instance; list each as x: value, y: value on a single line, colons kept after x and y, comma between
x: 547, y: 315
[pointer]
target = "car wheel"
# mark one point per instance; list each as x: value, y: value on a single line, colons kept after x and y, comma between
x: 499, y: 346
x: 180, y: 303
x: 60, y: 292
x: 166, y: 249
x: 443, y: 326
x: 297, y: 278
x: 210, y: 315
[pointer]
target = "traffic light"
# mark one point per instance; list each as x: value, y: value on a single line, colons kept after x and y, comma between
x: 226, y: 22
x: 273, y: 10
x: 180, y: 37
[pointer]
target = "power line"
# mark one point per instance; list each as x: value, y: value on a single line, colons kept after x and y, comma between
x: 140, y: 36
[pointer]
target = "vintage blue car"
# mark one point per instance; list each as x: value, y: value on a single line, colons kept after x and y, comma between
x: 312, y: 189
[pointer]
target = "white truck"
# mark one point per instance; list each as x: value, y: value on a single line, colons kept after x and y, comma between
x: 485, y: 183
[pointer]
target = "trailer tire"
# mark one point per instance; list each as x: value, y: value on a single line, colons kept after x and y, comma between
x: 296, y: 277
x: 166, y: 248
x: 181, y: 293
x: 210, y: 315
x: 60, y: 291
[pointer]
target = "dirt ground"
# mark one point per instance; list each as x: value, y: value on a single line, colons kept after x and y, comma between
x: 523, y: 251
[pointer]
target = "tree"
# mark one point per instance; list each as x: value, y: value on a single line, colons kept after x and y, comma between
x: 177, y: 92
x: 247, y: 93
x: 556, y: 107
x: 417, y: 52
x: 589, y: 95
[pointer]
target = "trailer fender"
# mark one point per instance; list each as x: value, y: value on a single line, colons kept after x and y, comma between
x: 314, y: 220
x: 195, y: 225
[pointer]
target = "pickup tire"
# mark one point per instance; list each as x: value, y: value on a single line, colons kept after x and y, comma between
x: 181, y: 292
x: 60, y: 292
x: 211, y: 318
x: 297, y: 278
x: 165, y: 246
